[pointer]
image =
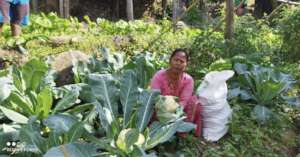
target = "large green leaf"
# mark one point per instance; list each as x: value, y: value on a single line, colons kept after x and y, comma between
x: 76, y: 132
x: 145, y: 111
x: 18, y: 80
x: 115, y: 61
x: 48, y: 80
x: 60, y: 123
x: 139, y: 152
x: 33, y: 73
x: 14, y: 116
x: 44, y: 101
x: 30, y: 135
x: 142, y: 64
x: 67, y: 101
x: 240, y: 68
x: 104, y: 116
x: 160, y: 133
x: 185, y: 126
x: 262, y: 114
x: 268, y: 91
x: 128, y: 94
x: 86, y: 94
x: 104, y: 88
x: 145, y: 70
x: 107, y: 121
x: 80, y: 70
x: 73, y: 150
x: 5, y: 88
x: 22, y: 101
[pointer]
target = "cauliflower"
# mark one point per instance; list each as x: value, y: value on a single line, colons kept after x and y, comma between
x: 167, y: 108
x: 167, y: 103
x: 121, y: 141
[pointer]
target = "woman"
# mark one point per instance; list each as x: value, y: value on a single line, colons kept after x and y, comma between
x: 241, y: 7
x: 15, y: 12
x: 174, y: 81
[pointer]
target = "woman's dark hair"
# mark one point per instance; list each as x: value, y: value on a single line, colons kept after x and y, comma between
x: 180, y: 50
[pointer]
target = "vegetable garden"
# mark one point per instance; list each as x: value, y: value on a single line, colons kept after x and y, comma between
x: 106, y: 108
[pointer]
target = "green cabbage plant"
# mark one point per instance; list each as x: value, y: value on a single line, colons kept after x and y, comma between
x: 265, y: 86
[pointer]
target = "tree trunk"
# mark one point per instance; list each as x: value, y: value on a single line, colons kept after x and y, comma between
x: 229, y: 19
x: 116, y: 9
x: 182, y: 7
x: 129, y: 10
x: 175, y: 13
x: 61, y: 8
x: 66, y: 8
x: 164, y: 4
x: 203, y: 11
x: 35, y: 6
x: 48, y: 9
x: 264, y: 6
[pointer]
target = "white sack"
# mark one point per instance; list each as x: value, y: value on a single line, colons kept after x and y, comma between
x: 216, y: 112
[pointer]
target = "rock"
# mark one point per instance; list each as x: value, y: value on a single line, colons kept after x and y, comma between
x: 67, y: 39
x: 63, y: 64
x: 181, y: 25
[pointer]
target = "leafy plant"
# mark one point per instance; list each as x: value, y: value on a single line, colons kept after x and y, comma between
x: 288, y: 28
x: 137, y: 108
x: 262, y: 85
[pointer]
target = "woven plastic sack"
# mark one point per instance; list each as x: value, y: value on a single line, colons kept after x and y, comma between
x: 216, y: 113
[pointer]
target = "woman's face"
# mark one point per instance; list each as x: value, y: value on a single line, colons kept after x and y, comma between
x: 178, y: 62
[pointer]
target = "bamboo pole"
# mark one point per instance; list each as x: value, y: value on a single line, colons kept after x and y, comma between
x: 175, y: 12
x: 66, y: 8
x: 129, y: 9
x: 61, y: 8
x: 229, y: 19
x: 34, y: 4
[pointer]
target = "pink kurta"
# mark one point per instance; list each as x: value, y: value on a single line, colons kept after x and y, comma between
x: 184, y: 92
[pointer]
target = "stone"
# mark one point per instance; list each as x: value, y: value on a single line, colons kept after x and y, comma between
x: 67, y: 39
x: 63, y: 64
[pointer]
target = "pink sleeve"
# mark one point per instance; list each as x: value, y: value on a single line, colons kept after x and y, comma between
x: 187, y: 91
x: 156, y: 81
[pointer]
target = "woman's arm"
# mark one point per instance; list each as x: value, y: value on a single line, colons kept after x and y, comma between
x: 156, y: 81
x: 187, y: 91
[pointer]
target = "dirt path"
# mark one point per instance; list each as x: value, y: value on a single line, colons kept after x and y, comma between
x: 8, y: 57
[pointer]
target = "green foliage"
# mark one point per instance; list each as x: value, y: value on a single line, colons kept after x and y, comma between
x: 253, y: 36
x: 73, y: 149
x: 263, y: 85
x: 111, y: 94
x: 289, y: 25
x: 123, y: 36
x: 29, y: 92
